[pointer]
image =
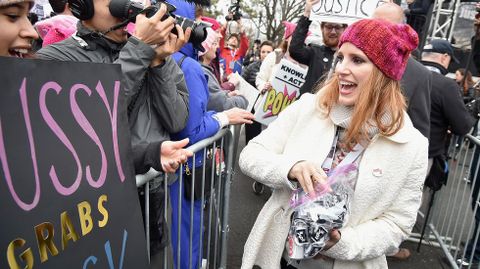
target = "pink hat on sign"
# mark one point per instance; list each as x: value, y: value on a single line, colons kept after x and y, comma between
x: 289, y: 29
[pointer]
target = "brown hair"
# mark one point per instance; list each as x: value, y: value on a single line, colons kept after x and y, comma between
x: 379, y: 96
x: 266, y: 43
x: 468, y: 80
x: 283, y: 46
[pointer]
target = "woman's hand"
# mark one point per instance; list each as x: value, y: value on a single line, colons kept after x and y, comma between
x: 239, y: 116
x: 266, y: 88
x: 308, y: 7
x: 307, y: 175
x: 335, y: 236
x: 234, y: 93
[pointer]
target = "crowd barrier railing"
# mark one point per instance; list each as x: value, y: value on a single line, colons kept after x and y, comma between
x: 452, y: 224
x: 215, y: 202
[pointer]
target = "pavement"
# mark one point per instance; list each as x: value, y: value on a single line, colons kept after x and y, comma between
x: 245, y: 206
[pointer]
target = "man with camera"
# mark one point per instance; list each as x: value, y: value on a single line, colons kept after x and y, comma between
x: 233, y: 51
x: 153, y: 84
x: 318, y: 58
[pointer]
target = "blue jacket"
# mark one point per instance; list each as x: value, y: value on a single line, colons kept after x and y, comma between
x: 201, y: 123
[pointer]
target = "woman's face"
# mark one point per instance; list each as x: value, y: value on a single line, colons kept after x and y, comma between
x: 211, y: 53
x: 353, y: 69
x: 264, y: 51
x: 458, y: 76
x: 17, y: 32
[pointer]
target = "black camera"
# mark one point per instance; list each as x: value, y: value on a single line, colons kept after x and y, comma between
x: 234, y: 11
x: 128, y: 10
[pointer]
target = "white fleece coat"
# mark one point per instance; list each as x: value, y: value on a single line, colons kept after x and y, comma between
x: 387, y: 193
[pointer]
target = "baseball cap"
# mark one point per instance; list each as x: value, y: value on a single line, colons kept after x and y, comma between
x: 440, y: 46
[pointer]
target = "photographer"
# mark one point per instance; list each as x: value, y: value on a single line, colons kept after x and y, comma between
x: 232, y: 52
x: 153, y: 84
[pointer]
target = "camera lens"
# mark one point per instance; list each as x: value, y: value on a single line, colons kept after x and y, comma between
x: 125, y: 9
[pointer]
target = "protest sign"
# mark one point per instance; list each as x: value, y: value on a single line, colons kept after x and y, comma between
x: 463, y: 30
x: 344, y: 11
x: 246, y: 90
x: 67, y: 184
x: 285, y: 90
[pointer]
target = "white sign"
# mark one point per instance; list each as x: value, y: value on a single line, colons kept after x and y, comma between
x: 344, y: 11
x: 246, y: 90
x: 285, y: 90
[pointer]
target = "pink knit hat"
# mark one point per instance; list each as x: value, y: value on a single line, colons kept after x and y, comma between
x: 386, y: 44
x: 215, y: 24
x: 207, y: 44
x: 56, y: 28
x: 289, y: 29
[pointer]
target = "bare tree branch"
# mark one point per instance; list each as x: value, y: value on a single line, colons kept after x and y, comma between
x: 273, y: 13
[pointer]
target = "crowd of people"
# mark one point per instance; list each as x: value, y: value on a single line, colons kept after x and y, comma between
x: 364, y: 103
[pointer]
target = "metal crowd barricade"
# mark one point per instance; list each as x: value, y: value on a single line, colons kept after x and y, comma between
x: 451, y: 225
x: 215, y: 206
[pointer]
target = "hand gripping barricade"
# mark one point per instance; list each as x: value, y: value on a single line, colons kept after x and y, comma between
x: 214, y: 216
x: 455, y: 214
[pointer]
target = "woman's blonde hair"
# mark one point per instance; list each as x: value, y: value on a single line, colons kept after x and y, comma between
x: 379, y: 98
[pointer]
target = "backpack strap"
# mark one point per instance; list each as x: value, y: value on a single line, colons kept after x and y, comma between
x: 180, y: 62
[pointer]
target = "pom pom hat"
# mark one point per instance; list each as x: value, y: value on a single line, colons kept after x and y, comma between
x: 386, y: 44
x: 289, y: 29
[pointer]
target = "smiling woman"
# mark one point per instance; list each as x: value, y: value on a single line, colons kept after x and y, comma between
x: 357, y: 119
x: 17, y: 31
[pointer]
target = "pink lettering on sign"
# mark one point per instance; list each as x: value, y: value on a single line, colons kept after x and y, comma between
x: 113, y: 120
x: 87, y: 127
x: 3, y: 156
x: 63, y: 138
x: 83, y: 122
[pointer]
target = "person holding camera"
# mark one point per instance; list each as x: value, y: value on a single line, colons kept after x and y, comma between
x: 234, y: 48
x: 318, y: 58
x: 154, y: 85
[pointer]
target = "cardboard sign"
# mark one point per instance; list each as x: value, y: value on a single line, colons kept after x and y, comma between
x: 344, y: 11
x: 67, y: 184
x: 463, y: 29
x: 285, y: 90
x: 246, y: 90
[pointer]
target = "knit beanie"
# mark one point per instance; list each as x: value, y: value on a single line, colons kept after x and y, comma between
x: 56, y: 28
x: 386, y: 44
x: 211, y: 38
x: 4, y: 3
x: 215, y: 24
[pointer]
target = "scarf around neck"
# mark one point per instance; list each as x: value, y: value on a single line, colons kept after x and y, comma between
x: 342, y: 115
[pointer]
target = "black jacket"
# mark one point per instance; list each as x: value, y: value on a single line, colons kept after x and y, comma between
x: 158, y: 95
x: 250, y: 72
x: 447, y: 110
x: 318, y: 58
x: 416, y: 87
